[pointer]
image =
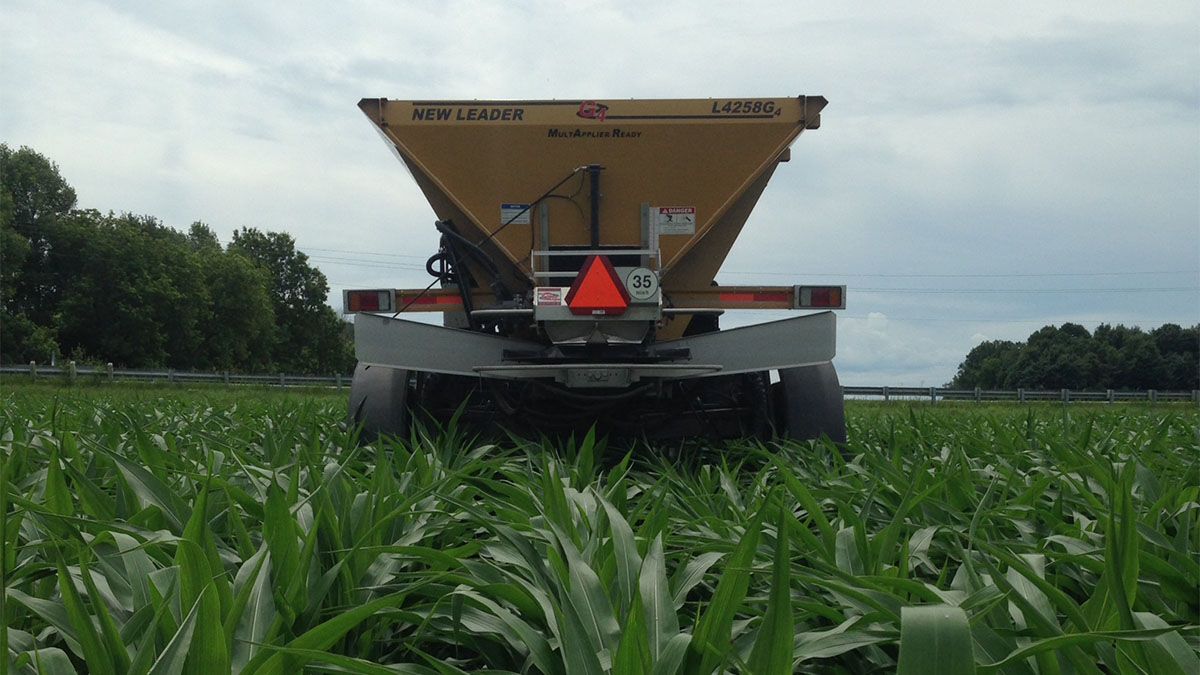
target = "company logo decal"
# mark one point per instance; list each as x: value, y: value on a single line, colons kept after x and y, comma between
x: 592, y: 110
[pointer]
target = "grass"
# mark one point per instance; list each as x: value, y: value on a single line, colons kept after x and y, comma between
x: 171, y: 530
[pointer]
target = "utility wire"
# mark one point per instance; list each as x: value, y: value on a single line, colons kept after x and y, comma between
x: 971, y: 291
x: 1016, y: 275
x: 407, y: 266
x: 371, y: 264
x: 938, y: 319
x: 965, y: 276
x: 374, y: 253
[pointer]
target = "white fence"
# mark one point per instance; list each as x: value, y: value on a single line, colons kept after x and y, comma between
x: 71, y: 373
x: 935, y: 394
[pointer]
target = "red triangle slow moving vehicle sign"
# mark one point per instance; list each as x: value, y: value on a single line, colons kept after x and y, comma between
x: 597, y: 289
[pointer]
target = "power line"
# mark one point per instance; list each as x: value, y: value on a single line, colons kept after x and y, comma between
x: 350, y: 262
x: 373, y: 253
x: 1023, y: 275
x: 1097, y: 322
x: 880, y: 275
x: 372, y: 264
x: 972, y: 291
x: 404, y: 265
x: 938, y: 319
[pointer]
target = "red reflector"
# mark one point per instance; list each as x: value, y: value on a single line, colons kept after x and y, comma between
x: 431, y: 299
x: 821, y: 296
x: 364, y: 301
x: 597, y: 290
x: 758, y: 296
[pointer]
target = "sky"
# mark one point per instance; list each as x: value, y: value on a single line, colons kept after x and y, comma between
x: 982, y: 170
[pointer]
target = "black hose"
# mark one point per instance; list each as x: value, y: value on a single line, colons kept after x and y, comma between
x: 498, y: 288
x: 445, y: 227
x: 444, y: 273
x: 461, y: 280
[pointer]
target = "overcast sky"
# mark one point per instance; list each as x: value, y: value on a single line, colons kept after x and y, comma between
x: 982, y: 169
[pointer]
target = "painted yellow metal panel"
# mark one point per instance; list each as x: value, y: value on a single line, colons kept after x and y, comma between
x: 712, y: 156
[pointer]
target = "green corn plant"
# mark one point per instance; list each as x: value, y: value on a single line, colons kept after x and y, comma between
x: 166, y: 530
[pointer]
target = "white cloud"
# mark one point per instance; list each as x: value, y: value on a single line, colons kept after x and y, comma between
x: 965, y: 139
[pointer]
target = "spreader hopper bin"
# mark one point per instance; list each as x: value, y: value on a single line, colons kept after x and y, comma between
x: 678, y: 175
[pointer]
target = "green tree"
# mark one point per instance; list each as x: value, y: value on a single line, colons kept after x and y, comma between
x: 1133, y: 357
x: 202, y: 239
x: 129, y: 290
x: 34, y: 192
x: 989, y: 365
x: 14, y: 252
x: 1058, y: 358
x: 33, y: 197
x: 21, y: 340
x: 239, y: 319
x: 241, y: 326
x: 1116, y: 357
x: 309, y: 336
x: 1180, y: 349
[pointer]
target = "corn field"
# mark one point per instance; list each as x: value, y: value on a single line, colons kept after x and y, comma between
x: 165, y: 530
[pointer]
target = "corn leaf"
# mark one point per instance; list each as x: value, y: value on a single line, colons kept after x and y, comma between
x: 772, y: 652
x: 711, y: 643
x: 935, y: 640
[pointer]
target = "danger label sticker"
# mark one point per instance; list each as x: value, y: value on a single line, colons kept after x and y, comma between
x: 673, y: 219
x: 516, y: 214
x: 548, y: 296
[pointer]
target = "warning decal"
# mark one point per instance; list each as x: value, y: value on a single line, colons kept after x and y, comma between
x: 548, y: 296
x: 673, y: 219
x: 517, y: 214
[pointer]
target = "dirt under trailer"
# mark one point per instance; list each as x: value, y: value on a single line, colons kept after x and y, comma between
x: 575, y: 277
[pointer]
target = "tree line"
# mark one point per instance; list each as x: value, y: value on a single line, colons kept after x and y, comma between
x: 1069, y: 357
x: 126, y: 289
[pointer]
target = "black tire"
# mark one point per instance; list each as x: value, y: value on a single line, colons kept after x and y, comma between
x: 809, y: 404
x: 379, y: 402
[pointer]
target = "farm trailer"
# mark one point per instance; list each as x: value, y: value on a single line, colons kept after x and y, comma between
x: 575, y: 274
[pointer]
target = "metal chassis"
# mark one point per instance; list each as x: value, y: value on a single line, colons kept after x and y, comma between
x: 409, y: 345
